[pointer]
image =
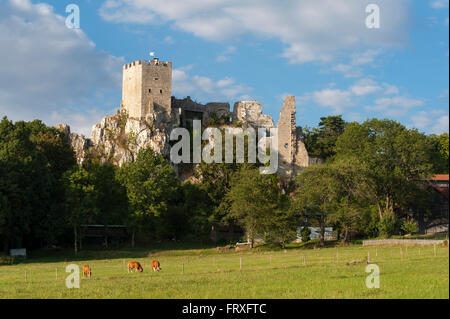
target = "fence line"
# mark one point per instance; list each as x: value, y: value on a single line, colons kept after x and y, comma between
x: 412, y: 242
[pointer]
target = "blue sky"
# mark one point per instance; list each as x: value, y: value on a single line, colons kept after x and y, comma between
x: 230, y: 50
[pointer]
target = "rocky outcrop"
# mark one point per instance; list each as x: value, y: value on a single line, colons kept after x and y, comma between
x: 250, y: 112
x: 79, y: 143
x: 118, y: 139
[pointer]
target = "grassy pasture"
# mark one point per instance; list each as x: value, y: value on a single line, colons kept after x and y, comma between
x: 413, y: 272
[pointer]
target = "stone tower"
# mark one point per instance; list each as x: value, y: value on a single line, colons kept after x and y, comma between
x: 147, y: 85
x: 292, y: 152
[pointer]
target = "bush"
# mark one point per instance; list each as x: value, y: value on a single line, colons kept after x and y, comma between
x: 409, y: 226
x: 306, y: 234
x: 387, y: 224
x: 7, y: 260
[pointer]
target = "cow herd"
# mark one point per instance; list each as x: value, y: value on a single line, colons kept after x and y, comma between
x: 132, y: 265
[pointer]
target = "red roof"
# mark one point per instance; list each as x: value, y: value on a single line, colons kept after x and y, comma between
x: 440, y: 177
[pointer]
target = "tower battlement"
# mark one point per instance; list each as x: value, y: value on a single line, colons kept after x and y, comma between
x: 146, y: 84
x: 154, y: 62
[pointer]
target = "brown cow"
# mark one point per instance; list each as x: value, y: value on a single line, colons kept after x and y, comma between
x: 135, y: 265
x: 155, y: 265
x: 87, y: 271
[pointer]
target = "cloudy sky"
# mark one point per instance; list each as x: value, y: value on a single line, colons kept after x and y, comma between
x: 229, y: 50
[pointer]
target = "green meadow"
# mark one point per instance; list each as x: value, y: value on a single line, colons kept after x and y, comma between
x: 405, y: 272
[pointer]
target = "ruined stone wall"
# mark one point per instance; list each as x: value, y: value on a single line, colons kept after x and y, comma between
x: 287, y: 147
x: 293, y: 156
x: 251, y: 112
x: 302, y: 159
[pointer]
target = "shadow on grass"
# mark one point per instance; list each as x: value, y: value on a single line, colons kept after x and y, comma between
x: 115, y: 252
x: 312, y: 244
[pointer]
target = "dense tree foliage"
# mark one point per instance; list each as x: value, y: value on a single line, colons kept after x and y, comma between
x: 372, y: 183
x: 33, y: 158
x: 151, y: 186
x: 321, y: 141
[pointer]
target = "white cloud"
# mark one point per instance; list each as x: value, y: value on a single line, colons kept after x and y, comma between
x: 334, y: 98
x: 206, y: 89
x: 348, y: 70
x: 390, y: 89
x: 47, y: 70
x: 441, y: 125
x: 439, y: 4
x: 364, y: 87
x: 222, y: 58
x: 395, y: 106
x: 434, y: 121
x: 225, y: 55
x: 354, y: 67
x: 311, y: 30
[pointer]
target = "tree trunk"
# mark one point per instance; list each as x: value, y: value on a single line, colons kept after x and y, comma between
x: 380, y: 211
x: 231, y: 232
x: 345, y: 235
x: 75, y: 243
x: 322, y: 233
x: 132, y: 239
x: 106, y: 237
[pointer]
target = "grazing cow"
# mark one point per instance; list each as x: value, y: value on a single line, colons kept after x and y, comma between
x: 87, y: 271
x: 155, y: 265
x: 135, y: 265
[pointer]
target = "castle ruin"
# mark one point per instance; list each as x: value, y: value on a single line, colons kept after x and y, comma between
x: 153, y: 112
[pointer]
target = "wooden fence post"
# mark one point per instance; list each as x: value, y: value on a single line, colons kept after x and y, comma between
x: 368, y: 257
x: 56, y: 273
x: 240, y: 263
x: 182, y: 268
x: 25, y: 275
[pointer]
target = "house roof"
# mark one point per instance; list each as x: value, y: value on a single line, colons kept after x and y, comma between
x: 440, y: 177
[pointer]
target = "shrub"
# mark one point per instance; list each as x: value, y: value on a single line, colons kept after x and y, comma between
x: 409, y: 226
x: 387, y: 224
x: 7, y: 260
x: 306, y: 234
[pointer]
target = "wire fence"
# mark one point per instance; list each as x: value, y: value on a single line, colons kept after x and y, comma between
x: 230, y: 263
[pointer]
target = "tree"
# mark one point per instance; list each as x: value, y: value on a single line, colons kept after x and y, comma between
x: 316, y: 195
x: 321, y: 141
x: 252, y: 199
x: 439, y: 153
x: 151, y: 185
x: 81, y: 198
x: 112, y: 202
x: 33, y: 158
x: 393, y: 161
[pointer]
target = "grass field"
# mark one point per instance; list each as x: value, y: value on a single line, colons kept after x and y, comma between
x: 413, y: 272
